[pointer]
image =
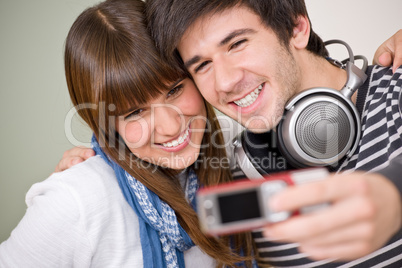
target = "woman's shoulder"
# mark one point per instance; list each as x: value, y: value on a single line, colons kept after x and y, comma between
x: 88, y: 188
x: 79, y: 214
x: 92, y: 175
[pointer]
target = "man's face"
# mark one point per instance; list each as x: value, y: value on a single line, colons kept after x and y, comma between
x: 240, y: 67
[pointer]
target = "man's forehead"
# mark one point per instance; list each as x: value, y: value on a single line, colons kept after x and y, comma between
x: 217, y: 28
x: 207, y: 24
x: 196, y: 33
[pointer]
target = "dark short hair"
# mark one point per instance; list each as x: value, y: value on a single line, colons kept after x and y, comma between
x: 169, y: 19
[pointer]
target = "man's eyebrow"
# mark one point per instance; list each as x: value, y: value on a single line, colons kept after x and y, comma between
x: 192, y: 61
x: 234, y: 34
x: 224, y: 41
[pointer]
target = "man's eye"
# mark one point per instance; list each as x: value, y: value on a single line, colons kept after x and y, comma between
x: 237, y: 44
x: 134, y: 114
x: 201, y: 66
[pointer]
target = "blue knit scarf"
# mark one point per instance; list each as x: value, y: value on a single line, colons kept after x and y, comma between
x: 163, y: 240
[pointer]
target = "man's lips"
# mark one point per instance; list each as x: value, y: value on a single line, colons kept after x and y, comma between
x: 250, y: 98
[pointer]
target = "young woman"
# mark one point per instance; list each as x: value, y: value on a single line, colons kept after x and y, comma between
x: 132, y: 204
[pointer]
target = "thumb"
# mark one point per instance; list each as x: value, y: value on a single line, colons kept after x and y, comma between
x: 382, y: 57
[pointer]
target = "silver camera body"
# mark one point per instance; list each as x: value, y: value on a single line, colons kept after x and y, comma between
x: 243, y: 205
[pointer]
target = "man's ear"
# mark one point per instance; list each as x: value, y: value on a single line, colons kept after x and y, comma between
x: 301, y: 33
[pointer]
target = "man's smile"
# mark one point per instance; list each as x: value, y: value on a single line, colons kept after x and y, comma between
x: 249, y: 98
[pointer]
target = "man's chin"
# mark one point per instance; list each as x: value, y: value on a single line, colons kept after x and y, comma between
x: 258, y: 128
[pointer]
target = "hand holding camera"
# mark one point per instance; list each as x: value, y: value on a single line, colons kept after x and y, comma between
x: 243, y: 205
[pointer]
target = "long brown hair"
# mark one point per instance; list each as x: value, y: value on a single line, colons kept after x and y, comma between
x: 110, y: 63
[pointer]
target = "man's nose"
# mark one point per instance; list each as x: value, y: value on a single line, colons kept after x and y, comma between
x: 227, y: 75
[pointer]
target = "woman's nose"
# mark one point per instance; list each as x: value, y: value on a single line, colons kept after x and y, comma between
x: 168, y: 120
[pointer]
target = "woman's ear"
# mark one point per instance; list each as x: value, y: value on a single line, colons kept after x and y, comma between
x: 301, y: 33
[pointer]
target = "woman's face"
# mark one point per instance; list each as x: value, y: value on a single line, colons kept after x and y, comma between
x: 168, y: 130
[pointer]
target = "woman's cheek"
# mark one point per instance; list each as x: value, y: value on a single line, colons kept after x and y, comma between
x: 136, y: 134
x: 193, y: 104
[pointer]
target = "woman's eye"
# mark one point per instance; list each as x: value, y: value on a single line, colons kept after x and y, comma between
x: 134, y: 114
x: 201, y: 66
x: 175, y: 91
x: 237, y: 44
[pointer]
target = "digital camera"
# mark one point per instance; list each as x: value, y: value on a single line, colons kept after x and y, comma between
x: 243, y: 205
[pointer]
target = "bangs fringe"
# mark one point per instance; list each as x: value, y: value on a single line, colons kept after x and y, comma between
x: 135, y: 76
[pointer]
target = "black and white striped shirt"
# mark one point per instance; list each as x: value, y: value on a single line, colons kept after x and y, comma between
x: 379, y: 103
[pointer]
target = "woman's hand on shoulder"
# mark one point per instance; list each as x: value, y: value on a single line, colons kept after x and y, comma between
x: 390, y: 52
x: 74, y: 156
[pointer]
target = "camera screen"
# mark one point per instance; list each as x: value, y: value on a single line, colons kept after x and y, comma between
x: 240, y: 206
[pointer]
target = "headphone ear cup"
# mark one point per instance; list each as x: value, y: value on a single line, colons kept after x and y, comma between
x: 319, y: 129
x: 282, y: 147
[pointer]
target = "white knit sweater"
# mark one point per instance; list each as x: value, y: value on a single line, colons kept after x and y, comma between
x: 79, y: 218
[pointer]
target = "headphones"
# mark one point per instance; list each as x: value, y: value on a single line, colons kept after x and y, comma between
x: 320, y: 126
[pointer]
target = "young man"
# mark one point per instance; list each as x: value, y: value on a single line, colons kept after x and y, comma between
x: 248, y: 59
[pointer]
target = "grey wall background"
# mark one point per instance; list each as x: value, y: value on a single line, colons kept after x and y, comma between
x: 34, y: 102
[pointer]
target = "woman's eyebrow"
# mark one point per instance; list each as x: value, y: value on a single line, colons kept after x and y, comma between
x: 128, y: 110
x: 178, y: 81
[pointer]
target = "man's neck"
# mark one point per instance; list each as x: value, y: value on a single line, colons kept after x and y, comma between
x: 318, y: 72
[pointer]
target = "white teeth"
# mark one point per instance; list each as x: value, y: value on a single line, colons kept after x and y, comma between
x: 250, y: 98
x: 177, y: 141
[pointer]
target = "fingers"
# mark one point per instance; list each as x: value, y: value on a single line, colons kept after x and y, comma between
x: 323, y: 222
x: 397, y: 50
x: 346, y: 242
x: 383, y: 56
x: 74, y: 156
x: 80, y: 151
x: 390, y: 52
x: 397, y: 59
x: 66, y: 163
x: 364, y: 211
x: 385, y: 59
x: 329, y: 190
x: 351, y: 242
x: 349, y: 251
x: 354, y: 232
